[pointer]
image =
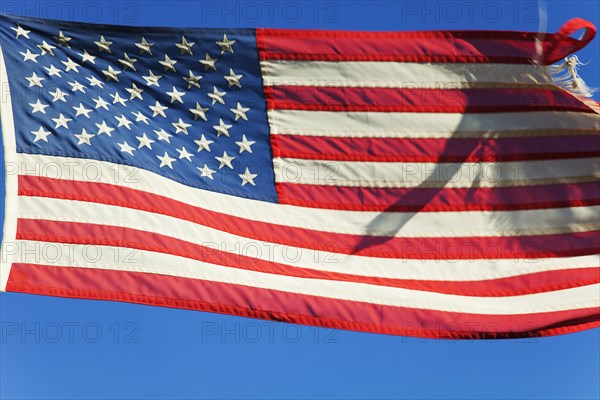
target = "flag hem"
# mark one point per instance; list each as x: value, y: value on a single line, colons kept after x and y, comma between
x: 409, y: 330
x: 9, y: 230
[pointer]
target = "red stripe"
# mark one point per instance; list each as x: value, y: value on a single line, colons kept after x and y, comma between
x: 275, y: 305
x: 413, y: 58
x: 434, y: 150
x: 457, y: 248
x: 378, y: 99
x: 432, y: 46
x: 103, y: 235
x: 440, y: 199
x: 534, y: 246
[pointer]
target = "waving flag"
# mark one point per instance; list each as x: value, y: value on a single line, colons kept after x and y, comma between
x: 434, y: 184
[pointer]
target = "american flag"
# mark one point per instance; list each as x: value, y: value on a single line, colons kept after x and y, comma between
x: 434, y: 184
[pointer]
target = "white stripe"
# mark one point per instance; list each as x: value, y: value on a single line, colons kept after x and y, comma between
x: 337, y: 221
x: 437, y: 175
x: 420, y: 225
x: 430, y: 125
x: 11, y: 182
x: 103, y: 257
x: 397, y: 74
x: 323, y: 260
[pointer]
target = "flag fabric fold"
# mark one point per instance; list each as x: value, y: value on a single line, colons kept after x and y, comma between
x: 431, y: 184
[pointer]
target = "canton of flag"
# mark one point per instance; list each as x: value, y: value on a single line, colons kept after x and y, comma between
x: 433, y: 184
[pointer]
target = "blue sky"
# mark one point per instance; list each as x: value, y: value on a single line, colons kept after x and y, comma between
x: 62, y: 348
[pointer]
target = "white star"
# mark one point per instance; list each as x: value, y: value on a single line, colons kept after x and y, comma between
x: 184, y: 46
x: 203, y: 143
x: 59, y: 95
x: 135, y: 92
x: 166, y: 160
x: 225, y: 160
x: 123, y: 121
x: 128, y: 62
x: 20, y: 31
x: 41, y: 134
x: 38, y: 107
x: 62, y: 40
x: 226, y: 44
x: 53, y: 71
x: 245, y: 144
x: 95, y: 82
x: 76, y: 87
x: 163, y: 135
x: 103, y: 45
x: 71, y: 65
x: 205, y: 171
x: 111, y: 73
x: 103, y: 128
x: 139, y: 117
x: 183, y: 153
x: 158, y: 109
x: 46, y: 48
x: 152, y: 79
x: 61, y: 121
x: 222, y: 128
x: 100, y: 102
x: 240, y: 112
x: 84, y: 138
x: 145, y: 141
x: 126, y: 148
x: 247, y: 177
x: 209, y: 62
x: 85, y: 56
x: 216, y: 96
x: 35, y: 80
x: 118, y: 99
x: 192, y: 79
x: 199, y: 112
x: 233, y: 79
x: 81, y: 110
x: 181, y: 126
x: 168, y: 63
x: 144, y: 46
x: 29, y: 56
x: 176, y: 95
